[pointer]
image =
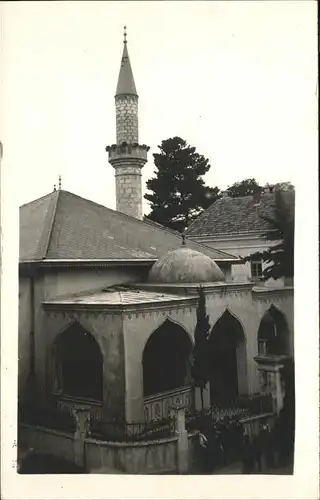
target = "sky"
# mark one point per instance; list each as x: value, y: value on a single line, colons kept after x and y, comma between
x: 237, y: 80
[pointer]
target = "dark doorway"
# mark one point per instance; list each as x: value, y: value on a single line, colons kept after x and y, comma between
x: 166, y: 359
x: 273, y: 333
x: 79, y: 364
x: 227, y: 355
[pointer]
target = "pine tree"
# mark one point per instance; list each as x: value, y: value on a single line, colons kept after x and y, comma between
x: 279, y: 256
x: 179, y: 193
x: 200, y: 367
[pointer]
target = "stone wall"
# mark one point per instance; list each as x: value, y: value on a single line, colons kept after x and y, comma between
x: 151, y: 457
x: 47, y: 441
x: 127, y: 119
x: 24, y: 331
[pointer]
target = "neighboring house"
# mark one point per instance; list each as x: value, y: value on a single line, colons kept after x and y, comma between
x: 235, y: 225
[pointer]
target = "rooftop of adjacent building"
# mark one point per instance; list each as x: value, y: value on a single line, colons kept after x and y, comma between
x: 240, y: 215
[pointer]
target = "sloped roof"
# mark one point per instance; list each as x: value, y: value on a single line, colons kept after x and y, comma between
x: 62, y: 225
x: 118, y: 296
x: 233, y: 216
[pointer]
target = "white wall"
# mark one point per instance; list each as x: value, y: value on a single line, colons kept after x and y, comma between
x: 242, y: 246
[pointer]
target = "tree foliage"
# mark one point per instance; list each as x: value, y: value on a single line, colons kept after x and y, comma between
x: 178, y: 192
x: 246, y: 187
x: 200, y: 366
x: 279, y: 256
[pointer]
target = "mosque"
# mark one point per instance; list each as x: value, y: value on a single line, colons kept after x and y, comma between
x: 108, y: 300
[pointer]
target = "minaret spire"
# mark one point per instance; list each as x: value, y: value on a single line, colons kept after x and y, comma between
x: 126, y: 85
x: 126, y: 156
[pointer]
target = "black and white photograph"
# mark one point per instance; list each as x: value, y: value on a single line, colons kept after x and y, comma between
x: 154, y: 152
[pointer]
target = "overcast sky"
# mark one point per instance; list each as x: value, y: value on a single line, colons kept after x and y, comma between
x: 235, y: 79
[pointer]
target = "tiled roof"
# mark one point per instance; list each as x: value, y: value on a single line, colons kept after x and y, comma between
x: 118, y: 296
x: 63, y: 225
x: 234, y: 215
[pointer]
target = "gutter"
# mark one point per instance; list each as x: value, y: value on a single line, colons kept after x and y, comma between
x: 100, y: 263
x: 83, y: 263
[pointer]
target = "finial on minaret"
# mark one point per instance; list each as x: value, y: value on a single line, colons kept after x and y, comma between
x: 59, y: 182
x: 124, y: 34
x: 183, y: 239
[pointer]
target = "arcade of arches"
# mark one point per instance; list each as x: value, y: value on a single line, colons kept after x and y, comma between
x: 79, y: 371
x: 227, y: 359
x: 166, y: 359
x: 78, y: 364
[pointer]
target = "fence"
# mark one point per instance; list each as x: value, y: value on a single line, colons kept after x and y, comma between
x: 233, y: 411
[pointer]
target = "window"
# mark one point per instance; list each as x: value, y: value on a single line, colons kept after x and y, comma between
x: 256, y: 269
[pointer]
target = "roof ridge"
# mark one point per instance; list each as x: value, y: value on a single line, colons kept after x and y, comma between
x: 51, y: 222
x: 42, y: 243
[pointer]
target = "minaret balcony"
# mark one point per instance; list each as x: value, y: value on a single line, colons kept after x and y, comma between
x: 125, y: 151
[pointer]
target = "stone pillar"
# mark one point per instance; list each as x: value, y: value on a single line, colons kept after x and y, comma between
x: 206, y: 398
x: 182, y: 443
x: 270, y: 377
x: 82, y: 416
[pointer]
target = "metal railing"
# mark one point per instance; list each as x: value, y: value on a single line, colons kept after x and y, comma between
x: 232, y: 411
x: 122, y: 431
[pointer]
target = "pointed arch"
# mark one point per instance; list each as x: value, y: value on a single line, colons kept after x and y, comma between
x: 78, y: 363
x: 227, y: 359
x: 229, y: 319
x: 166, y: 358
x: 273, y: 333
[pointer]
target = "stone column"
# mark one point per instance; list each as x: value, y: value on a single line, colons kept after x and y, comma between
x: 82, y: 416
x: 270, y: 368
x: 206, y: 398
x: 182, y: 443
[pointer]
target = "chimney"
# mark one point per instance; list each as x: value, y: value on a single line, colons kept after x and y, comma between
x: 257, y: 197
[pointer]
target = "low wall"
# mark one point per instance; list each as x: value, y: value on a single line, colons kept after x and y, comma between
x: 47, y: 441
x: 132, y: 458
x: 150, y: 457
x: 252, y: 424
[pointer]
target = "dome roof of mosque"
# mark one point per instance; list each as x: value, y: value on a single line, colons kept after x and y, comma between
x: 185, y: 265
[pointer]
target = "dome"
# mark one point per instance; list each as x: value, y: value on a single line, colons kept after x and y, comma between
x: 185, y: 266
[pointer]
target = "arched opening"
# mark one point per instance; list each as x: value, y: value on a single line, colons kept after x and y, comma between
x: 78, y: 364
x: 227, y: 360
x: 273, y: 333
x: 166, y: 359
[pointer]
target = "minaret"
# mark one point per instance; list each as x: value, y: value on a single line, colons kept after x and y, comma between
x: 127, y: 157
